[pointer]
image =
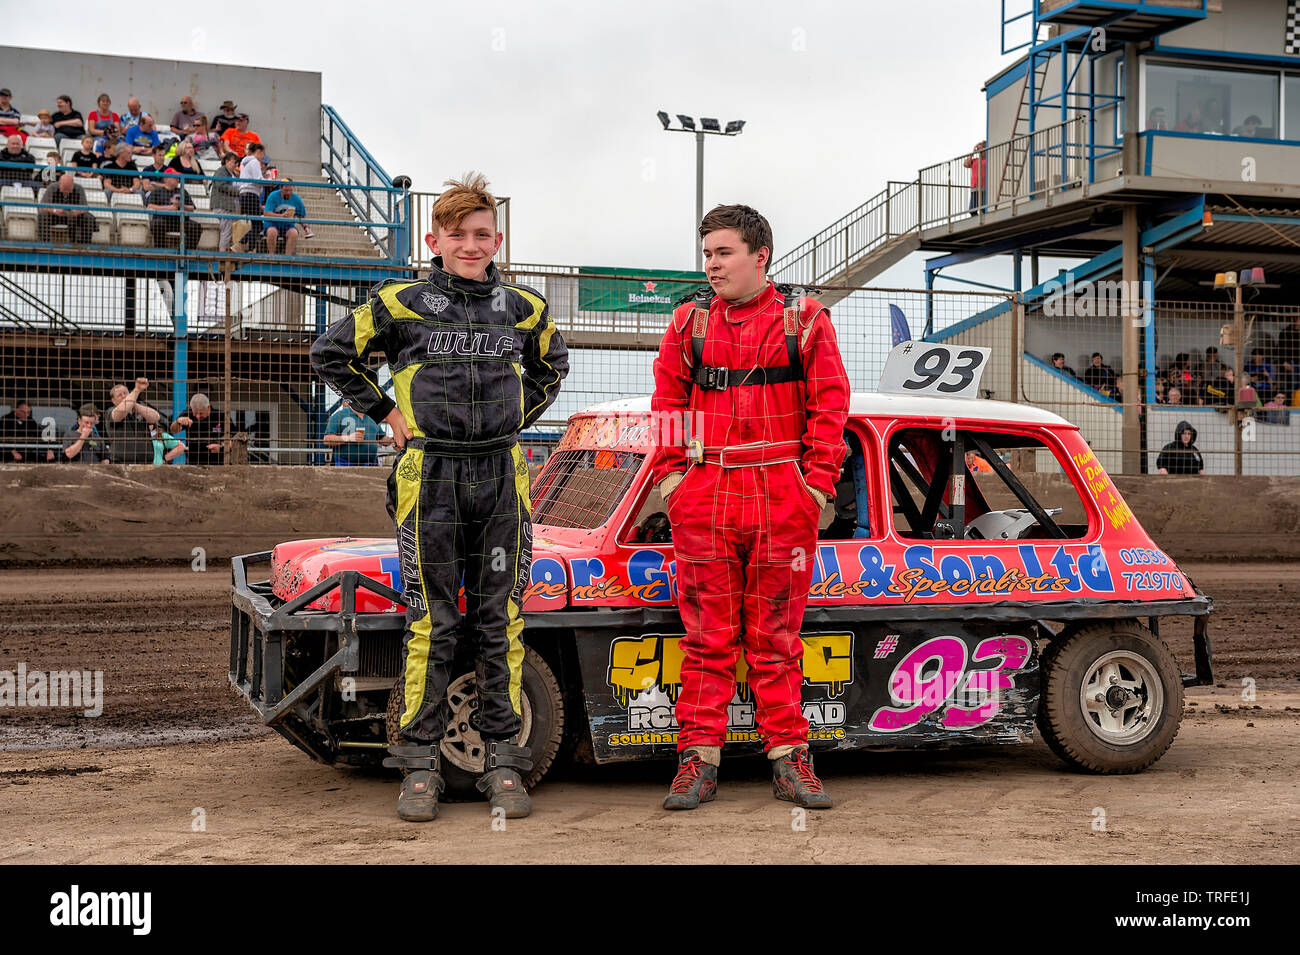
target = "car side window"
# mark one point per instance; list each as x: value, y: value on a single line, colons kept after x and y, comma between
x: 980, y: 485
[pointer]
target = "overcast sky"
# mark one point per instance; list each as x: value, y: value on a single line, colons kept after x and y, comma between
x: 556, y: 101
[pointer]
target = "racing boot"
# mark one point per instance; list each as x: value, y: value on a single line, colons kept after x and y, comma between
x: 418, y: 800
x: 793, y: 779
x: 501, y: 782
x: 696, y: 782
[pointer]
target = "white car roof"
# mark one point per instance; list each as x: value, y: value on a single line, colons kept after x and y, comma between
x: 865, y: 403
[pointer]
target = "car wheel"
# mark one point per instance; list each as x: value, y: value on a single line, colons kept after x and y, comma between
x: 542, y: 706
x: 1112, y: 698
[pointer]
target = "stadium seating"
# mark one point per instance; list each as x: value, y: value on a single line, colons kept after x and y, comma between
x: 132, y: 226
x: 20, y: 221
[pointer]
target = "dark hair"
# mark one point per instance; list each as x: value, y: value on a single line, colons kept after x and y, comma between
x: 66, y: 98
x: 1096, y: 354
x: 1058, y: 355
x: 256, y: 148
x: 749, y: 222
x: 22, y: 401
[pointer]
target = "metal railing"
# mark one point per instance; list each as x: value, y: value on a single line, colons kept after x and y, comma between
x: 1054, y: 160
x: 367, y: 188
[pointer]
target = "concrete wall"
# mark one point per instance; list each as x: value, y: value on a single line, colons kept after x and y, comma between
x: 284, y: 105
x: 1244, y: 26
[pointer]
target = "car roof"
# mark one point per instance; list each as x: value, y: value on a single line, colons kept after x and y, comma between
x: 874, y: 404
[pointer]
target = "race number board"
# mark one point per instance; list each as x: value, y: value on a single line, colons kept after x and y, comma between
x: 928, y: 368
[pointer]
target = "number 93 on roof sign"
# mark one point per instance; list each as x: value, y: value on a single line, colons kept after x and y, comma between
x: 928, y: 368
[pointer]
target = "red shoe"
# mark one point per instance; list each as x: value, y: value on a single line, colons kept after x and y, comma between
x: 793, y: 780
x: 696, y: 782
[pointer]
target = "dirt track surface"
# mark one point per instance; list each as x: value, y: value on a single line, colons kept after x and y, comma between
x: 109, y: 790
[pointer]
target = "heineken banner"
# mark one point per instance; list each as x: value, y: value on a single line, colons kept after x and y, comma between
x: 651, y: 291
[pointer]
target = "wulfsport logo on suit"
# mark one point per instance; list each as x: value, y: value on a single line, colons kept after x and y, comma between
x: 77, y: 908
x: 434, y: 301
x: 498, y: 343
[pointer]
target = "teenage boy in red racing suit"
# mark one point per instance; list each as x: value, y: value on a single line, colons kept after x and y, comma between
x: 756, y: 371
x: 474, y: 361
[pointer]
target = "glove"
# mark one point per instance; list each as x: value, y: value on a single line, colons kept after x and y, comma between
x: 669, y: 484
x: 819, y: 497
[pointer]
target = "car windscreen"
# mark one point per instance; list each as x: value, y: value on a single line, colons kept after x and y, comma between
x: 579, y: 487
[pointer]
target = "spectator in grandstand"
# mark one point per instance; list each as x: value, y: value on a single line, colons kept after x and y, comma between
x: 206, y: 144
x: 1173, y: 395
x: 106, y: 145
x: 68, y: 123
x: 1099, y: 375
x: 184, y: 162
x: 1218, y: 389
x: 134, y: 115
x: 170, y: 197
x: 354, y: 437
x: 282, y: 207
x: 43, y: 129
x: 240, y: 136
x: 66, y: 206
x: 203, y: 432
x: 127, y: 427
x: 10, y: 117
x: 119, y: 173
x: 102, y: 116
x: 19, y: 427
x: 49, y: 171
x: 1156, y: 118
x: 250, y: 195
x: 1249, y: 126
x: 1287, y: 353
x: 86, y: 158
x: 1058, y: 362
x: 142, y: 137
x: 1180, y: 456
x: 1260, y: 371
x: 226, y: 119
x: 225, y: 196
x: 1275, y: 410
x: 1213, y: 366
x: 13, y: 160
x: 151, y: 176
x: 83, y: 443
x: 186, y: 118
x: 978, y: 164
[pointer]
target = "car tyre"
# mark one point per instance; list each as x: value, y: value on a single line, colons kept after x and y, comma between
x: 1112, y: 698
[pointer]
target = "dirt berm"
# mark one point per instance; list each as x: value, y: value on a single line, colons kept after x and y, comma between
x: 136, y: 513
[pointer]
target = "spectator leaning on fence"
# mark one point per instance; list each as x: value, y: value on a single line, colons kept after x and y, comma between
x: 68, y: 122
x: 128, y: 424
x: 282, y: 207
x: 83, y: 443
x: 354, y: 437
x: 69, y: 209
x: 15, y: 153
x: 19, y: 427
x: 11, y: 117
x: 203, y: 432
x: 166, y: 449
x: 1180, y: 456
x: 170, y: 196
x: 225, y: 196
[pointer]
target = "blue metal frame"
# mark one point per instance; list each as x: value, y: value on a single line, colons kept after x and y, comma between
x: 1078, y: 383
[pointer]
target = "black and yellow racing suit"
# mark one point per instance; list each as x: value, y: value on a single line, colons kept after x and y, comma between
x: 473, y: 363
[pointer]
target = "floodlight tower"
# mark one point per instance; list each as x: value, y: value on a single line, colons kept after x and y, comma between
x: 709, y: 127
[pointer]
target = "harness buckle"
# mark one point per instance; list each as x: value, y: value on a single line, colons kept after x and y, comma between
x: 716, y: 379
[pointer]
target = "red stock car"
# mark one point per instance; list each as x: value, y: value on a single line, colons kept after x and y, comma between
x: 977, y: 574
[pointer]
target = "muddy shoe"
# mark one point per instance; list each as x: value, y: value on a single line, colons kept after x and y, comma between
x: 501, y: 782
x: 793, y: 780
x: 418, y: 800
x: 696, y: 782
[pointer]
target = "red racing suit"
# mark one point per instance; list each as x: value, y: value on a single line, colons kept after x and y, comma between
x: 744, y: 521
